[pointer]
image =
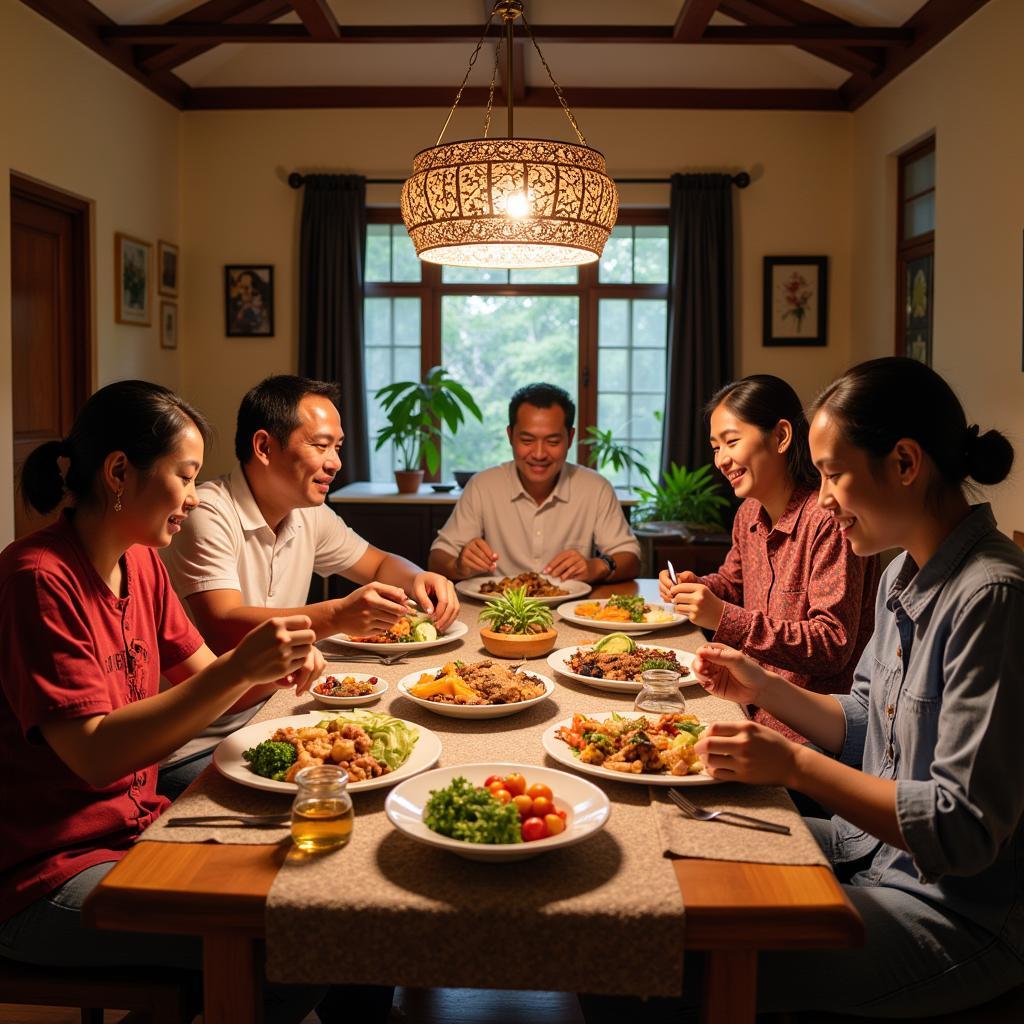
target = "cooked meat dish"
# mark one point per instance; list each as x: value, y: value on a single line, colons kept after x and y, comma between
x: 533, y: 583
x: 625, y: 668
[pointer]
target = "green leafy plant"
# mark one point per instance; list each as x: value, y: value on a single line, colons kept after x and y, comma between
x: 604, y: 450
x: 417, y: 412
x: 682, y: 496
x: 514, y: 612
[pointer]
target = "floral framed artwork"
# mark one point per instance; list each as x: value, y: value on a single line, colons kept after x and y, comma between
x: 795, y: 300
x: 132, y: 271
x: 249, y: 301
x: 168, y: 325
x: 167, y: 269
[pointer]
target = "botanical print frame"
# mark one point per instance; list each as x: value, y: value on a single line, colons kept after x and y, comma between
x: 920, y: 303
x: 133, y: 267
x: 167, y: 268
x: 249, y: 300
x: 168, y: 325
x: 795, y: 300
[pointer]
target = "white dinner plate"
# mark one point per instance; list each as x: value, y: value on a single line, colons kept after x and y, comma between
x: 568, y: 612
x: 559, y: 661
x: 472, y: 710
x: 228, y: 760
x: 563, y: 754
x: 379, y: 689
x: 456, y: 631
x: 573, y: 588
x: 587, y: 809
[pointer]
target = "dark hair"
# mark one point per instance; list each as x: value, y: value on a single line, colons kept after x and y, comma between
x: 880, y: 401
x: 273, y: 406
x: 763, y: 400
x: 142, y: 420
x: 543, y: 396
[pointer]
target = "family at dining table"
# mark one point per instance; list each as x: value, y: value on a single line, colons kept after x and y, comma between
x: 892, y: 704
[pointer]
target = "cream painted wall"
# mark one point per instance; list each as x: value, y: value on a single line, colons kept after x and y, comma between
x: 70, y: 120
x: 968, y: 91
x: 239, y: 209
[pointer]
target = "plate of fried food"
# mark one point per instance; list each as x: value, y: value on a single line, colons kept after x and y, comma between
x: 621, y: 613
x: 412, y: 632
x: 340, y: 689
x: 652, y: 750
x: 617, y: 661
x: 375, y: 749
x: 544, y: 588
x: 483, y: 689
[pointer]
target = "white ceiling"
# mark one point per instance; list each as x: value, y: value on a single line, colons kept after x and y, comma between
x: 574, y: 64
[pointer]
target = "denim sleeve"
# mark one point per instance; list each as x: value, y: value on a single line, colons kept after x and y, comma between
x: 855, y: 708
x: 955, y: 822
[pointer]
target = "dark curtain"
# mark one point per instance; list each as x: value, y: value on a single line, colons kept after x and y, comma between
x: 332, y: 253
x: 700, y: 315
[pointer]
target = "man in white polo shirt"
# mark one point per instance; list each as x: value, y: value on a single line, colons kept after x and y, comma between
x: 250, y: 548
x: 538, y: 513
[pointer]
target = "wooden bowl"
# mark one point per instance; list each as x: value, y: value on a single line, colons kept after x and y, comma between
x: 518, y: 645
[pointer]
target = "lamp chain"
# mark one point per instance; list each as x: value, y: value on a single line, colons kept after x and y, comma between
x: 494, y: 78
x: 458, y: 95
x: 555, y: 85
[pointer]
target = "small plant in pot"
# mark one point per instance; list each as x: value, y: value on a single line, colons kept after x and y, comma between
x: 691, y: 500
x: 417, y: 411
x: 517, y: 626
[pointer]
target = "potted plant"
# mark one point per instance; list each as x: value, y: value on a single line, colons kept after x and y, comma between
x: 416, y: 412
x: 603, y: 449
x: 691, y: 500
x: 517, y: 626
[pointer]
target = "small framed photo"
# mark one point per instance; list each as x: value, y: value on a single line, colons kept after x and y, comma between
x: 795, y: 300
x: 167, y: 269
x: 168, y: 325
x: 249, y: 301
x: 132, y: 271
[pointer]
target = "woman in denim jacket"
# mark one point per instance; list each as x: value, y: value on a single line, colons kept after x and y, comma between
x: 921, y: 763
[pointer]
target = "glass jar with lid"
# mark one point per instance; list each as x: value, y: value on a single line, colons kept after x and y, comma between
x: 322, y: 814
x: 660, y: 693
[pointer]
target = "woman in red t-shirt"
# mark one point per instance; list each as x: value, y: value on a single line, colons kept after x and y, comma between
x: 88, y: 625
x: 791, y: 593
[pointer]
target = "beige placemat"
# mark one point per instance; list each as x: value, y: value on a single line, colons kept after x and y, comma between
x: 685, y: 837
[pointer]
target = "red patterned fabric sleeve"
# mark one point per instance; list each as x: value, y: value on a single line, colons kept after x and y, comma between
x: 821, y: 642
x: 727, y: 583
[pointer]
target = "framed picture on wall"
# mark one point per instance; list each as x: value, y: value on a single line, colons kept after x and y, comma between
x: 168, y: 325
x: 167, y: 269
x: 249, y: 300
x: 920, y: 302
x: 795, y: 300
x: 132, y: 271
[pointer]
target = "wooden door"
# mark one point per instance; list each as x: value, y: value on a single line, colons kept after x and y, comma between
x: 49, y: 320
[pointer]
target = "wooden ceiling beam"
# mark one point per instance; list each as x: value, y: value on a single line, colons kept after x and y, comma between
x: 693, y: 19
x: 318, y: 18
x: 233, y: 12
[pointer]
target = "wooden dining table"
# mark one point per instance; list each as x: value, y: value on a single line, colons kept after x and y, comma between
x: 218, y: 892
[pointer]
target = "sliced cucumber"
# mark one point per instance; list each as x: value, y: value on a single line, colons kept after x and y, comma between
x: 425, y: 631
x: 615, y: 643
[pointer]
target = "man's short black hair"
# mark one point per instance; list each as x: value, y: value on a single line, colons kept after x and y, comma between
x: 543, y: 396
x: 273, y: 406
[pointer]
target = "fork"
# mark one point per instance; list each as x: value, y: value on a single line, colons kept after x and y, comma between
x: 379, y: 659
x: 250, y: 820
x: 691, y: 810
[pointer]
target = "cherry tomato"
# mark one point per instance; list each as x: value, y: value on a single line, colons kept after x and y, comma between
x: 501, y: 794
x: 561, y: 814
x: 491, y: 779
x: 534, y: 829
x: 515, y: 783
x: 542, y: 805
x: 554, y: 824
x: 539, y: 789
x: 523, y: 804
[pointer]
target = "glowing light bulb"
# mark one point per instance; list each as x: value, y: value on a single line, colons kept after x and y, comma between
x: 517, y: 205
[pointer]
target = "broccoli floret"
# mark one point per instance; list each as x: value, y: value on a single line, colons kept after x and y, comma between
x: 271, y: 760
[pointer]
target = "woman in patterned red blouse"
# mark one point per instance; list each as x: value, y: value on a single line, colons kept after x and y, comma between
x: 791, y: 593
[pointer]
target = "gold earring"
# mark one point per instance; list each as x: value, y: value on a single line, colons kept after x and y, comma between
x: 117, y: 501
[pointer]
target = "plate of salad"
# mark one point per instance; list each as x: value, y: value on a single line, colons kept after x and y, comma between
x: 413, y: 632
x: 384, y: 750
x: 625, y: 613
x: 497, y: 811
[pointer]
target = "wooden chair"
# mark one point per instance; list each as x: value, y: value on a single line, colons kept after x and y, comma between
x: 160, y: 992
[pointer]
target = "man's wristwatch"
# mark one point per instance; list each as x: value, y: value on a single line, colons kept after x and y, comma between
x: 610, y: 562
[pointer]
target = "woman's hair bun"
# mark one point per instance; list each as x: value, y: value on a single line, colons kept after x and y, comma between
x: 989, y: 456
x: 42, y: 483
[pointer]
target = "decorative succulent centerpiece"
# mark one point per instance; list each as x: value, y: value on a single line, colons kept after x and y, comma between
x: 517, y: 626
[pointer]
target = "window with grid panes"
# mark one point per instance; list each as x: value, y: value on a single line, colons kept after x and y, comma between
x: 598, y: 331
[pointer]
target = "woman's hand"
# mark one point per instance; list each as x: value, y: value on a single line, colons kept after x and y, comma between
x: 279, y: 650
x: 444, y: 608
x: 727, y: 673
x: 748, y: 752
x: 370, y: 609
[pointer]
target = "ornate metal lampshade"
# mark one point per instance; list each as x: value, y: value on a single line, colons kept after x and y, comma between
x: 509, y: 202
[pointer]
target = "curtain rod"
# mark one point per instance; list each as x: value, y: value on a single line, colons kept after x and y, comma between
x: 741, y: 180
